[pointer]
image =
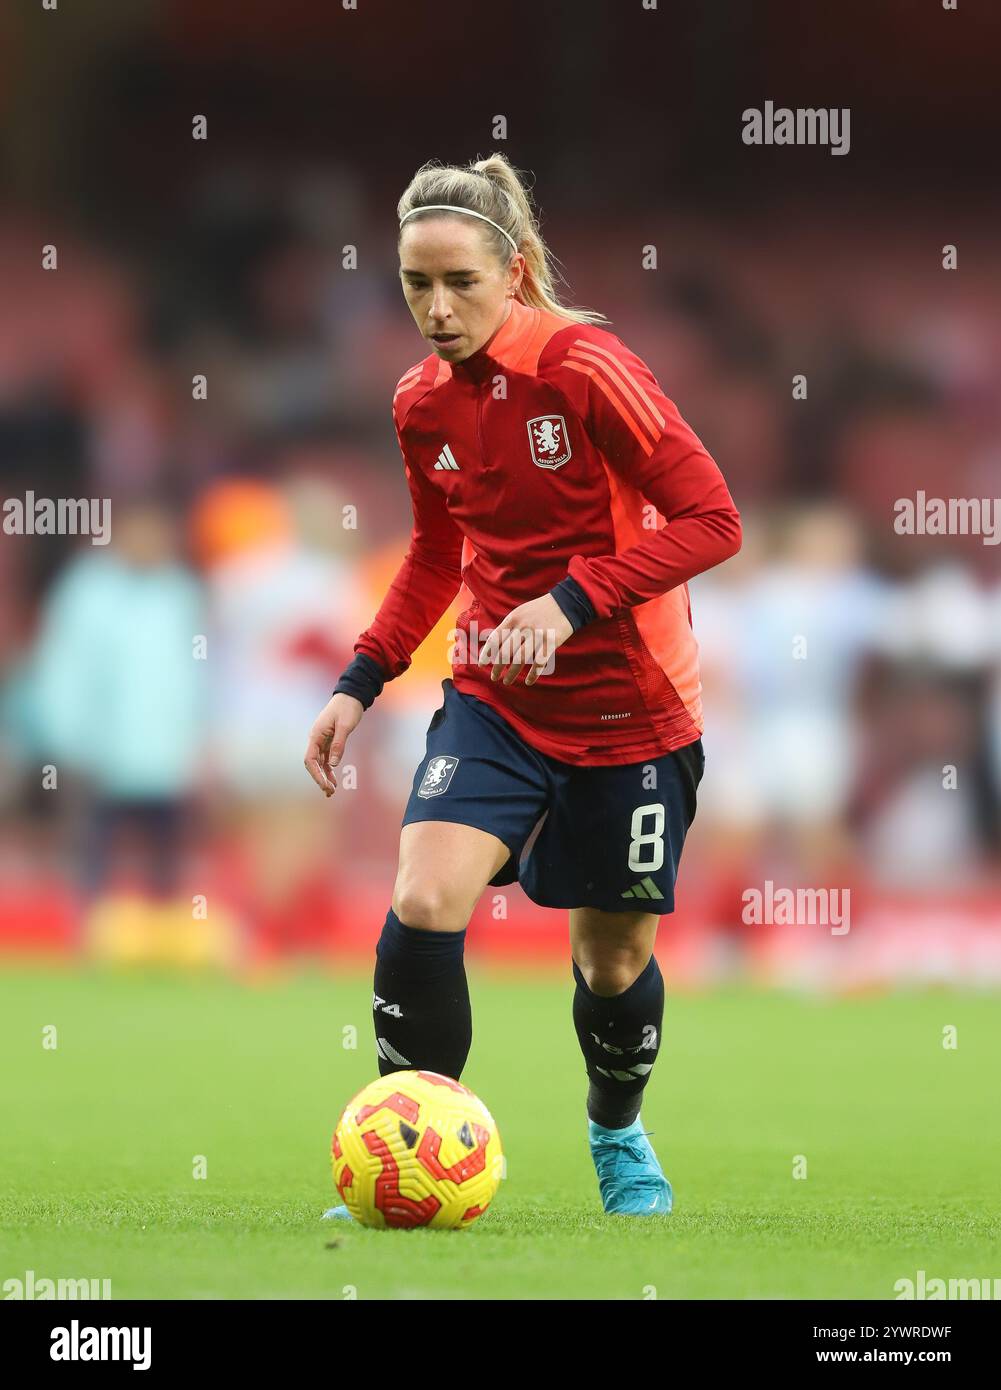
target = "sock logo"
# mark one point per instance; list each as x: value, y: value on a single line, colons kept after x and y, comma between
x: 629, y: 1071
x: 638, y: 1069
x: 388, y: 1053
x: 649, y: 1041
x: 437, y: 777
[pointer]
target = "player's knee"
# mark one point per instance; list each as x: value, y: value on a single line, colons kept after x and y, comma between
x: 612, y: 974
x: 429, y: 906
x: 608, y: 980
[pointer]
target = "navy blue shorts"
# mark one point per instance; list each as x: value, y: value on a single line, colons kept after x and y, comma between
x: 610, y: 837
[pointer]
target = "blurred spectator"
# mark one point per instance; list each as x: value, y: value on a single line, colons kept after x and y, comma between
x: 117, y: 687
x: 793, y: 633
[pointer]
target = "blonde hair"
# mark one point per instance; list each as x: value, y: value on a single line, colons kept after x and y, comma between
x: 494, y: 189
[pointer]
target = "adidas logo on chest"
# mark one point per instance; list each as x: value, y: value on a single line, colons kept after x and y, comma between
x: 446, y: 460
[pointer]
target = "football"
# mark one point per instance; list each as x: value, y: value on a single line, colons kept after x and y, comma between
x: 416, y: 1149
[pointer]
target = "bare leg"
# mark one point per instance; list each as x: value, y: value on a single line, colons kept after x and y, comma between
x: 611, y: 948
x: 442, y: 872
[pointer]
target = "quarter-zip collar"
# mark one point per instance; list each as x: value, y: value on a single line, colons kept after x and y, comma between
x: 501, y: 349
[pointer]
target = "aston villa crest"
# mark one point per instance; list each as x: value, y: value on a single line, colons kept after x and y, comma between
x: 547, y: 437
x: 438, y: 775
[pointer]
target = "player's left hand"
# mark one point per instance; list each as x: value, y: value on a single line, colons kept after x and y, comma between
x: 526, y: 639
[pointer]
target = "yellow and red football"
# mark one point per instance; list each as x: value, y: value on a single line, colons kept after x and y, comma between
x: 416, y: 1149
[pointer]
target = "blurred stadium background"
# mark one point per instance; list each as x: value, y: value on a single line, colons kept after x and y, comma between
x: 180, y: 780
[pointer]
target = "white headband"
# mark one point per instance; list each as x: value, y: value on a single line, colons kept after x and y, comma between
x: 447, y: 207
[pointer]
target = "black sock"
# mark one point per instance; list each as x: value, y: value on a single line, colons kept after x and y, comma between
x: 421, y: 1005
x: 620, y: 1038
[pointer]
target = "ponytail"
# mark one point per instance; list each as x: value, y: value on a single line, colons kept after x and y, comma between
x: 494, y: 189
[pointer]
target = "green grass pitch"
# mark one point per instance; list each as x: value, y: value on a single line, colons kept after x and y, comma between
x: 100, y: 1134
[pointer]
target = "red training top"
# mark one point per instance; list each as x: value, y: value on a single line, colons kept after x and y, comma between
x: 552, y: 451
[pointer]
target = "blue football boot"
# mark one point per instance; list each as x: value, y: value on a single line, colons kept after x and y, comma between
x: 337, y: 1214
x: 630, y: 1179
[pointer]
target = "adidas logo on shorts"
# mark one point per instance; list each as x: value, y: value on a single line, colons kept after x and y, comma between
x: 646, y: 888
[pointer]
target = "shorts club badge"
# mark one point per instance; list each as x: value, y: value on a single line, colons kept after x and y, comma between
x: 438, y: 776
x: 547, y: 437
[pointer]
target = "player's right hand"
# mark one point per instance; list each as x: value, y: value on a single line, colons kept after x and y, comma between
x: 339, y: 717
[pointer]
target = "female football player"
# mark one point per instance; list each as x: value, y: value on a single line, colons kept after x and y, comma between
x: 559, y: 492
